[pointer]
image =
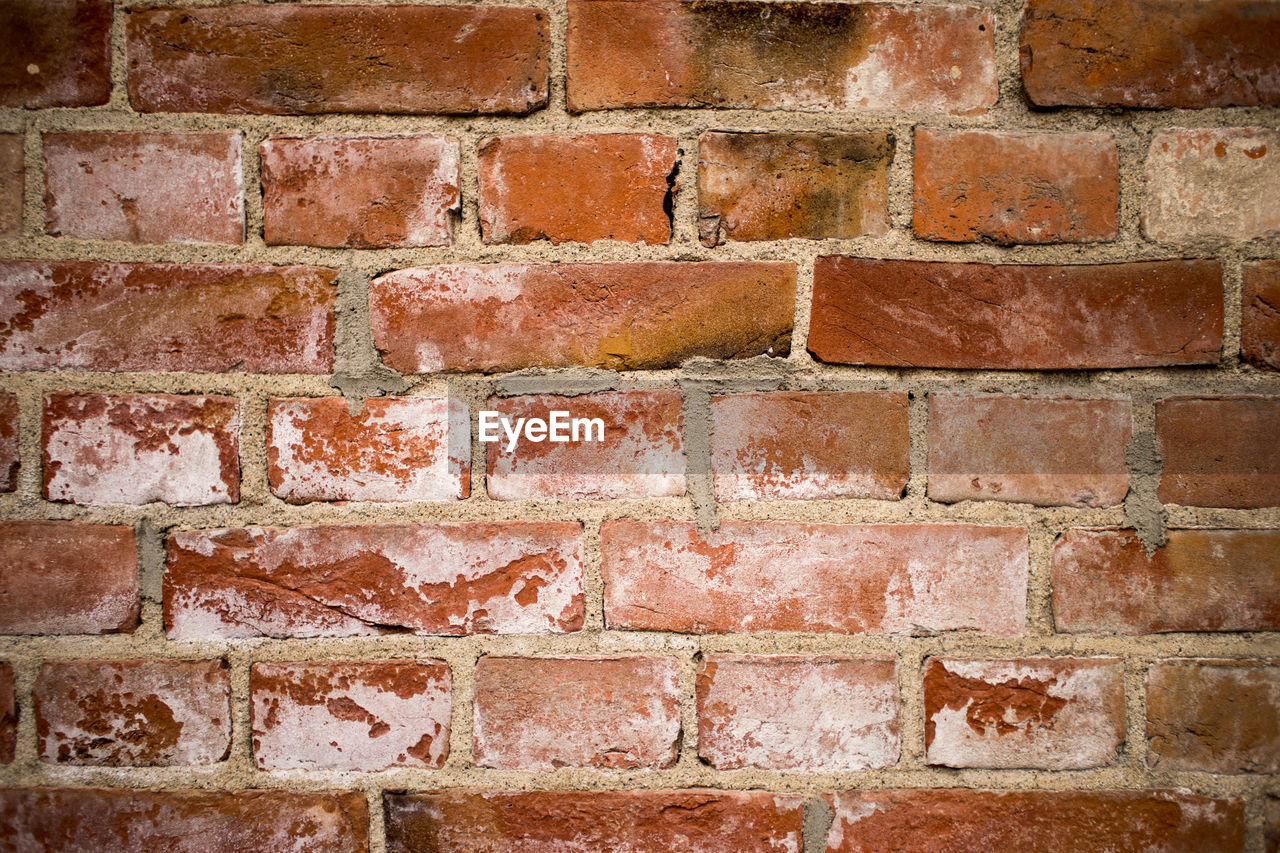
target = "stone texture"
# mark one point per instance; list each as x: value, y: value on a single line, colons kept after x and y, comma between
x: 1214, y: 716
x: 638, y: 316
x: 1219, y: 451
x: 8, y: 715
x: 1260, y: 337
x: 339, y: 581
x: 1015, y: 316
x: 55, y: 53
x: 10, y: 462
x: 1271, y: 825
x: 12, y: 177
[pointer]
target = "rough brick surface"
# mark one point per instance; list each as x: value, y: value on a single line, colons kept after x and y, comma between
x: 544, y: 713
x: 64, y: 577
x: 86, y: 315
x: 1219, y: 451
x: 1044, y: 451
x: 583, y: 188
x: 1015, y: 186
x: 138, y: 448
x: 1271, y: 825
x: 360, y: 192
x: 324, y: 59
x: 1013, y: 316
x: 800, y: 445
x: 642, y: 316
x: 802, y: 714
x: 790, y: 576
x: 1045, y: 713
x: 8, y: 715
x: 1215, y: 716
x: 144, y: 187
x: 771, y: 186
x: 642, y: 454
x: 56, y: 53
x: 10, y: 463
x: 1260, y: 338
x: 800, y: 56
x: 133, y: 713
x: 12, y: 177
x: 405, y: 449
x: 340, y: 581
x: 350, y: 715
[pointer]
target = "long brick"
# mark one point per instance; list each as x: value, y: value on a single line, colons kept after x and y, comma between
x: 341, y: 581
x: 1219, y: 451
x: 1260, y: 337
x: 1015, y: 316
x: 56, y: 53
x: 10, y: 461
x: 89, y: 315
x: 8, y: 715
x: 12, y: 182
x: 299, y: 60
x: 640, y: 316
x: 1215, y: 716
x: 802, y: 56
x: 544, y: 713
x: 791, y: 576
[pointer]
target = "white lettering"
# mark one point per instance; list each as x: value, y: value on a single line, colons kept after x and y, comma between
x: 513, y: 435
x: 560, y: 427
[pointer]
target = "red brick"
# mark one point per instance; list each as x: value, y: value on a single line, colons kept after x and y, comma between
x: 1044, y: 713
x: 363, y: 192
x: 583, y: 188
x: 1016, y: 316
x: 144, y: 187
x: 791, y: 576
x: 1137, y: 53
x: 10, y: 462
x: 1213, y: 183
x: 133, y: 713
x: 1104, y: 581
x: 350, y: 715
x: 88, y: 315
x: 1219, y: 451
x: 56, y: 53
x: 138, y: 448
x: 465, y: 821
x: 805, y: 714
x: 946, y: 820
x: 12, y: 177
x: 1039, y: 450
x: 83, y: 820
x: 642, y: 454
x: 341, y: 581
x: 1215, y: 716
x: 301, y: 60
x: 1260, y: 337
x: 814, y: 185
x: 799, y: 56
x: 641, y: 316
x: 8, y: 715
x: 544, y: 713
x: 64, y: 577
x: 1016, y: 187
x: 810, y: 444
x: 405, y: 449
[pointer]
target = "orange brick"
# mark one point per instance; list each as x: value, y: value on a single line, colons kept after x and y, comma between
x: 1260, y: 338
x: 1213, y: 716
x: 1219, y: 451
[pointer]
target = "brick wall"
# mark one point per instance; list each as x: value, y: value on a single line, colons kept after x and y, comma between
x: 936, y: 345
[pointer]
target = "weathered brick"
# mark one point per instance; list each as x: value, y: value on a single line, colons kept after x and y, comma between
x: 1016, y: 316
x: 299, y: 60
x: 10, y: 462
x: 798, y: 56
x: 642, y: 454
x: 1139, y: 53
x: 1271, y: 824
x: 775, y: 185
x: 1015, y: 186
x: 544, y: 713
x: 12, y: 178
x: 1260, y: 337
x: 463, y: 821
x: 1213, y: 182
x: 350, y: 715
x: 581, y: 188
x: 1217, y: 716
x: 805, y: 714
x: 1045, y: 713
x: 84, y: 820
x: 64, y: 577
x: 405, y: 449
x: 138, y: 448
x: 144, y: 187
x: 1039, y: 450
x: 641, y: 316
x: 363, y: 192
x: 133, y: 713
x: 810, y: 444
x: 341, y: 581
x: 8, y: 715
x: 1219, y: 451
x: 87, y: 315
x: 55, y: 53
x: 1200, y: 580
x: 792, y: 576
x: 945, y: 820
